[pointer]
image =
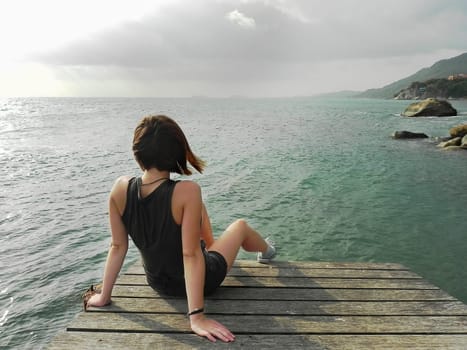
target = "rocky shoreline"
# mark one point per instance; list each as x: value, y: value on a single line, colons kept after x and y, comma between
x: 440, y: 88
x: 433, y: 107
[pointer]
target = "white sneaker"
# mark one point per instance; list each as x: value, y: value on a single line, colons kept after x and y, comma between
x: 264, y: 258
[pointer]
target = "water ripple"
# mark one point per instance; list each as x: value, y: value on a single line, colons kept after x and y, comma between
x: 321, y: 176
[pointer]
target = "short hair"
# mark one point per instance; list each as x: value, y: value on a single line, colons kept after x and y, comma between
x: 160, y: 143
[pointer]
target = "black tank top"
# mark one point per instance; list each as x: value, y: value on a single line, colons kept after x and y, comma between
x: 151, y: 226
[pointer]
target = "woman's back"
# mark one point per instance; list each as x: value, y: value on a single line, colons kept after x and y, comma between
x: 149, y: 221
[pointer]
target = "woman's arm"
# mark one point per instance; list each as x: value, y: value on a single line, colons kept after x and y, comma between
x: 193, y: 258
x: 118, y: 246
x: 206, y: 229
x: 194, y: 264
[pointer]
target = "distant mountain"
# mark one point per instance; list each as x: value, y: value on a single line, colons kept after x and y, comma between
x: 441, y: 69
x: 437, y: 88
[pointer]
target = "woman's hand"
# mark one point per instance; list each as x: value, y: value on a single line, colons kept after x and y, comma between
x: 210, y: 329
x: 98, y: 300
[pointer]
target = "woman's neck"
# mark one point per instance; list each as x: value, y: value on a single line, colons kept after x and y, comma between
x: 153, y: 175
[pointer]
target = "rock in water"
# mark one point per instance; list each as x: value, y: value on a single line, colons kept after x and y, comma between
x: 408, y: 135
x: 452, y: 148
x: 458, y: 131
x: 452, y: 142
x: 429, y: 108
x: 464, y: 142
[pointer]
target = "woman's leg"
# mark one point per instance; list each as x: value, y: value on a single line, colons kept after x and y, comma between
x: 237, y: 235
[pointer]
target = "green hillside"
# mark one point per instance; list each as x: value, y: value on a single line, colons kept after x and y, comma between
x: 441, y: 69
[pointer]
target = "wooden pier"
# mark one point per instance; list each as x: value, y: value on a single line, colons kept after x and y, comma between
x: 285, y: 305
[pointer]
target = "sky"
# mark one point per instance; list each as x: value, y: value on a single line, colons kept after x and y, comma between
x: 221, y: 48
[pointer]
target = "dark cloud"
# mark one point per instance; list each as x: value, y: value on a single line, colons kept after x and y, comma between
x: 264, y: 39
x: 202, y: 31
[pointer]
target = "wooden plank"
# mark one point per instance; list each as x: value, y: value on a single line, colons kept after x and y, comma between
x: 322, y: 264
x: 323, y: 273
x: 317, y: 273
x: 303, y: 282
x: 259, y: 324
x: 177, y: 341
x: 284, y: 265
x: 233, y: 293
x: 289, y: 307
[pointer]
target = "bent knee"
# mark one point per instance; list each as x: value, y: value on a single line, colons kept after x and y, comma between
x: 239, y: 224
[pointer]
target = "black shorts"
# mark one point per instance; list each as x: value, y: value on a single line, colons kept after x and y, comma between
x: 216, y: 270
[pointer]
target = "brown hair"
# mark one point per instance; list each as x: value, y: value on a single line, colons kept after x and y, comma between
x: 160, y: 143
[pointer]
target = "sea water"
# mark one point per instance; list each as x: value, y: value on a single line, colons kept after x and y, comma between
x: 322, y: 176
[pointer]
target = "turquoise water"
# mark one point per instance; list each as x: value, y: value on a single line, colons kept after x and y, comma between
x: 321, y: 175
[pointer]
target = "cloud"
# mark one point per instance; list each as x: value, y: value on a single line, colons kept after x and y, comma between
x: 199, y: 32
x: 289, y: 8
x: 239, y: 18
x: 296, y: 46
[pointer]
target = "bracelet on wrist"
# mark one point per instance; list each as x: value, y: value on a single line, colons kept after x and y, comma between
x: 195, y: 311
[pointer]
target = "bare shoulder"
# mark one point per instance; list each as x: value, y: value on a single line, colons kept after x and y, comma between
x: 119, y: 191
x: 120, y: 185
x: 185, y: 193
x: 123, y: 179
x: 188, y: 185
x: 187, y: 190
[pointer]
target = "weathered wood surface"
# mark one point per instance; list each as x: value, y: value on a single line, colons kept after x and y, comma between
x: 313, y: 305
